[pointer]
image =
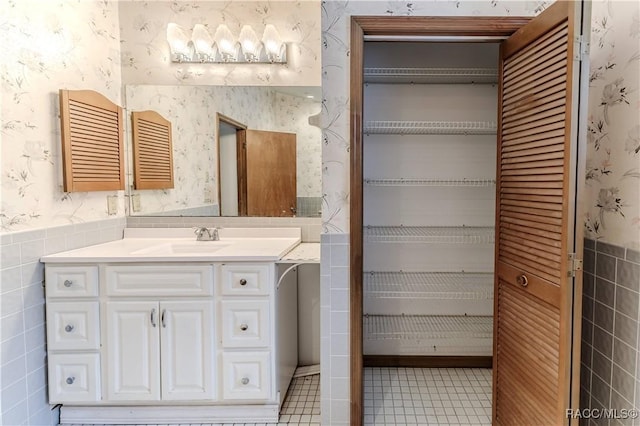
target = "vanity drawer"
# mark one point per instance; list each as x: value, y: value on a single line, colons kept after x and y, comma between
x: 71, y: 281
x: 74, y: 378
x: 245, y: 323
x: 73, y: 325
x: 247, y: 375
x: 159, y: 280
x: 245, y: 279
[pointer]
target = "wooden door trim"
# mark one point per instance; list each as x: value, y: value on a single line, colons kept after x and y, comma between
x: 221, y: 118
x: 388, y: 25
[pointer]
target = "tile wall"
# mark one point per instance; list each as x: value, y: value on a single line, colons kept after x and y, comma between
x: 310, y: 226
x: 23, y: 369
x: 610, y: 356
x: 334, y: 329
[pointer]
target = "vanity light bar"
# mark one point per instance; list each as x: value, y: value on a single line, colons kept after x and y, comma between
x: 224, y: 47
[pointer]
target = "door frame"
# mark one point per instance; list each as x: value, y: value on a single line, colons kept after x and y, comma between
x: 241, y: 161
x: 466, y: 29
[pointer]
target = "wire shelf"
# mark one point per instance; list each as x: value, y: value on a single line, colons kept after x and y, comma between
x: 430, y: 182
x: 430, y: 234
x: 431, y: 75
x: 430, y: 127
x: 428, y: 285
x: 412, y: 327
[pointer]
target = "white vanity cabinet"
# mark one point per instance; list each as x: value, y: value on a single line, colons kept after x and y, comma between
x: 73, y: 334
x: 159, y: 327
x: 130, y: 339
x: 159, y: 350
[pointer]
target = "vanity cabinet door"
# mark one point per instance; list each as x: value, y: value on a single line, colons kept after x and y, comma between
x: 133, y: 351
x: 186, y: 330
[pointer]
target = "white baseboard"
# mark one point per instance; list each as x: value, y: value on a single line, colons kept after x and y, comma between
x: 154, y: 415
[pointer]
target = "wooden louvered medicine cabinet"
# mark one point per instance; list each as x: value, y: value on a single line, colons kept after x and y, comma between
x: 92, y: 142
x: 152, y: 151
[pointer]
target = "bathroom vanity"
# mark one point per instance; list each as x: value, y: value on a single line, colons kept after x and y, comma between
x: 139, y: 328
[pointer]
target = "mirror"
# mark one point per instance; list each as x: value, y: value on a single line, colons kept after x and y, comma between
x: 200, y: 116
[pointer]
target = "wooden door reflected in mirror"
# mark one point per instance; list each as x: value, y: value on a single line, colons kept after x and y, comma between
x: 257, y: 171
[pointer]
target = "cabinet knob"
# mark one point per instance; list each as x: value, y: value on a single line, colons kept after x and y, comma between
x: 68, y: 283
x: 243, y: 282
x: 68, y: 328
x: 245, y: 381
x: 522, y: 280
x: 244, y: 327
x: 70, y: 380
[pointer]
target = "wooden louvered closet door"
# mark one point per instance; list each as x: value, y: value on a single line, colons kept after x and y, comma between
x: 534, y: 290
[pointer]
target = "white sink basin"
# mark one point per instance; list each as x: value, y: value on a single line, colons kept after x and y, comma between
x: 190, y: 247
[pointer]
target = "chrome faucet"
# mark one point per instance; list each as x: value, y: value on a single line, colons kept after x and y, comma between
x: 206, y: 234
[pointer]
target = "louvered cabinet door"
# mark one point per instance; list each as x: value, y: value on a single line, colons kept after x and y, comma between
x: 92, y: 141
x: 535, y: 232
x: 152, y: 151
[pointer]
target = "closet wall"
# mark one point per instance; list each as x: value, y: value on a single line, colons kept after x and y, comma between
x: 430, y: 112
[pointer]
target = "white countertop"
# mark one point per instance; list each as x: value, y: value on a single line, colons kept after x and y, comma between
x: 180, y: 245
x: 303, y: 253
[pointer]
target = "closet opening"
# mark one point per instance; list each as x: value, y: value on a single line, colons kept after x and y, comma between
x: 429, y: 165
x: 464, y: 133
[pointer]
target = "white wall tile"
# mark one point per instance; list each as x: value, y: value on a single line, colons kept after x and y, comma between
x: 37, y: 400
x: 55, y: 244
x: 340, y: 321
x: 16, y: 416
x: 31, y: 251
x: 339, y: 255
x: 42, y: 417
x: 75, y: 240
x: 339, y: 411
x: 11, y: 302
x: 339, y: 344
x: 14, y: 393
x: 12, y: 325
x: 36, y: 358
x: 339, y: 367
x: 13, y: 371
x: 11, y: 279
x: 34, y: 316
x: 34, y: 338
x: 339, y: 302
x: 339, y: 277
x: 339, y: 387
x: 32, y: 273
x: 32, y: 294
x: 33, y: 235
x: 10, y: 255
x: 37, y: 380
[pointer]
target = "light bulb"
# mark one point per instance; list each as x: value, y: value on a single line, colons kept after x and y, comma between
x: 203, y: 43
x: 272, y: 42
x: 226, y: 43
x: 250, y: 43
x: 178, y: 42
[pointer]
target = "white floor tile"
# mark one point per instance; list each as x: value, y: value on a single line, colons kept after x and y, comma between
x: 427, y: 396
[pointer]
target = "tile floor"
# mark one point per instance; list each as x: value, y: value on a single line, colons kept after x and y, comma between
x: 401, y: 396
x: 301, y: 405
x: 427, y: 396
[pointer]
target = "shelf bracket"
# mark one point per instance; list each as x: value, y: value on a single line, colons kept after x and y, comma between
x: 575, y: 265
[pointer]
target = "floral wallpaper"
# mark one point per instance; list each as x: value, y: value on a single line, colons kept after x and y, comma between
x: 291, y: 114
x: 145, y: 52
x: 335, y: 81
x: 192, y: 111
x: 612, y: 203
x: 47, y: 46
